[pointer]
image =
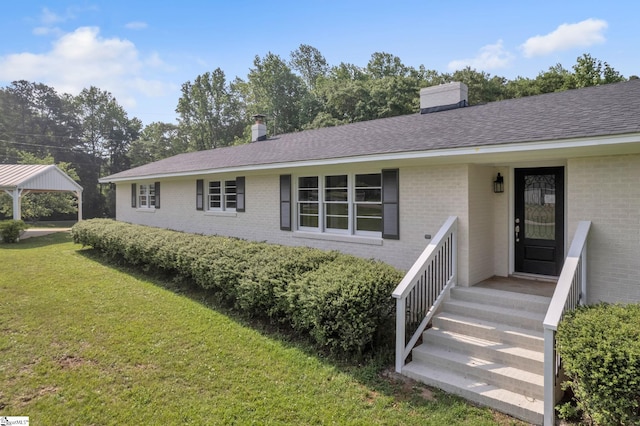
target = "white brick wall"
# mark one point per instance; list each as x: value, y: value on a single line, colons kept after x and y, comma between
x: 428, y: 195
x: 481, y: 223
x: 606, y: 191
x: 501, y: 244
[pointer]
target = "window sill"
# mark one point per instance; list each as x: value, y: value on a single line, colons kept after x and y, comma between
x: 146, y: 209
x: 354, y: 239
x: 221, y: 213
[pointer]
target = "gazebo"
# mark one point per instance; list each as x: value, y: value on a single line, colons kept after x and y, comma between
x: 18, y: 180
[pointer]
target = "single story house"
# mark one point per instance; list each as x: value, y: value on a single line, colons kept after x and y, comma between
x: 515, y: 188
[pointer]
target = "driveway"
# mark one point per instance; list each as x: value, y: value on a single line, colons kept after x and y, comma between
x: 38, y: 232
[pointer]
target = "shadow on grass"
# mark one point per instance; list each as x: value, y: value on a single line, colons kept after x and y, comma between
x: 37, y: 242
x: 375, y: 370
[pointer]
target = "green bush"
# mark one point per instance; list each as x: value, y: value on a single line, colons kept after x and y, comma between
x: 10, y: 230
x: 263, y: 286
x: 600, y: 350
x: 345, y: 305
x: 341, y: 302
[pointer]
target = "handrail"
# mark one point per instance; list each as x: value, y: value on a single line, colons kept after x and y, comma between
x: 423, y: 288
x: 570, y: 291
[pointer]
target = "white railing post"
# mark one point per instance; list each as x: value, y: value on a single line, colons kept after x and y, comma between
x: 549, y: 376
x: 564, y: 299
x: 583, y: 276
x: 454, y: 253
x: 432, y: 287
x: 401, y: 312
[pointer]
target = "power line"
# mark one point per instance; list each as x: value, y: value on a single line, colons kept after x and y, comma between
x: 19, y: 134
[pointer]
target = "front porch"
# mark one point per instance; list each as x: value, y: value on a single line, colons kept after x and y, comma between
x: 493, y: 342
x: 520, y: 284
x: 486, y: 344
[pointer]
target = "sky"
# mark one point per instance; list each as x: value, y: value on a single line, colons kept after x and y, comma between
x: 142, y: 52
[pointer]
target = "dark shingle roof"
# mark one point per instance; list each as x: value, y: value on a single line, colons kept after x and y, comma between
x: 611, y: 109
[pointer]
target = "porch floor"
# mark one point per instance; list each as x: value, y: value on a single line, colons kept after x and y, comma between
x: 527, y: 285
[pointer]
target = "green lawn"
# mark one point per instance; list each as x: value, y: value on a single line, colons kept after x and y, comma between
x: 87, y: 343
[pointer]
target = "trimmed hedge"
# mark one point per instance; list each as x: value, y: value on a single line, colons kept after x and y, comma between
x: 10, y: 230
x: 600, y: 350
x: 343, y: 303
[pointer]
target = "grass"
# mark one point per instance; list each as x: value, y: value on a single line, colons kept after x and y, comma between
x: 83, y: 342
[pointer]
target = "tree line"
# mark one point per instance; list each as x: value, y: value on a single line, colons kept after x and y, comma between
x: 93, y: 135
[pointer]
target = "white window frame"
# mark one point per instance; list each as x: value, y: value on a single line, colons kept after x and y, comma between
x: 322, y: 204
x: 356, y: 203
x: 146, y: 192
x: 307, y: 201
x: 227, y: 198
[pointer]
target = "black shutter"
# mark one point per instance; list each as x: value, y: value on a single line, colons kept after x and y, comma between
x: 240, y: 194
x: 157, y: 190
x: 391, y: 204
x: 199, y: 194
x: 134, y: 196
x: 285, y: 202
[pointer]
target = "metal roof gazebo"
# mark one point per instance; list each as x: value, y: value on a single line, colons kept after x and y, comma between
x: 18, y: 180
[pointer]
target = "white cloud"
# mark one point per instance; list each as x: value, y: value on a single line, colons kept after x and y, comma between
x: 81, y: 59
x: 492, y: 56
x: 49, y: 17
x: 565, y: 37
x: 136, y: 25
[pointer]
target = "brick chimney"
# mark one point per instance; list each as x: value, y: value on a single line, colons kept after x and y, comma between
x: 259, y: 130
x: 443, y: 97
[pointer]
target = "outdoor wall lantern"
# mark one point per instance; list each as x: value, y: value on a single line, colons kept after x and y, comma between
x: 498, y: 184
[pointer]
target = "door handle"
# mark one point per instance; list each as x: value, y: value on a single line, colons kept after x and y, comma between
x: 517, y: 230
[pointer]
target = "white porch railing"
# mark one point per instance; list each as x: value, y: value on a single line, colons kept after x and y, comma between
x: 423, y: 288
x: 571, y: 290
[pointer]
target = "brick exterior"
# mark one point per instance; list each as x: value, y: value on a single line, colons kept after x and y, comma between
x: 481, y: 223
x: 428, y: 195
x: 606, y: 191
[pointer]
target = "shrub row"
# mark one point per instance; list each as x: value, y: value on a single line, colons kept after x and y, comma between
x: 343, y: 303
x: 600, y: 350
x: 10, y: 230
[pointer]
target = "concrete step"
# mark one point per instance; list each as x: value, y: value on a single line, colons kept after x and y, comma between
x: 514, y: 317
x: 525, y: 408
x: 497, y: 374
x: 489, y: 330
x: 489, y: 350
x: 505, y: 299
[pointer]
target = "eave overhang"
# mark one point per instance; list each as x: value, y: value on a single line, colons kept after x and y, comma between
x: 496, y: 154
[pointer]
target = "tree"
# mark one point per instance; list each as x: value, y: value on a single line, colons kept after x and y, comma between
x: 157, y: 141
x: 39, y: 205
x: 589, y: 71
x: 310, y: 63
x: 384, y: 64
x: 555, y: 79
x: 105, y: 136
x: 210, y: 112
x: 35, y: 118
x: 274, y: 90
x: 106, y: 131
x: 482, y: 87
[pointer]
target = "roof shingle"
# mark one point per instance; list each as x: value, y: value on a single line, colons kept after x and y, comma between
x: 612, y: 109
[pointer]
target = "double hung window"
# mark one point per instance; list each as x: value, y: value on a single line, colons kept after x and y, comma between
x: 146, y: 196
x: 222, y: 195
x: 368, y: 203
x: 345, y: 204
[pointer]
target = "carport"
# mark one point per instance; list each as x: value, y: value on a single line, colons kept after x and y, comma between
x: 18, y: 180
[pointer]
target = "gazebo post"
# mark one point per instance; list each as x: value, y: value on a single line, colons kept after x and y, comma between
x: 79, y: 195
x: 17, y: 214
